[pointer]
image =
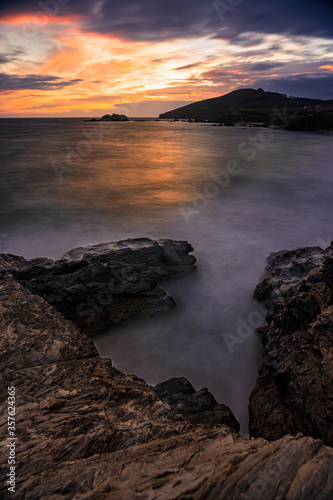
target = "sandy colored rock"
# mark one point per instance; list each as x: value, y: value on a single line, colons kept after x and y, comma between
x: 87, y: 431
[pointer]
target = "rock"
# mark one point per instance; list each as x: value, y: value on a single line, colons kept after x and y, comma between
x: 110, y: 284
x: 294, y: 389
x: 85, y: 430
x: 165, y: 258
x: 114, y: 118
x: 94, y: 296
x: 110, y: 118
x: 198, y: 407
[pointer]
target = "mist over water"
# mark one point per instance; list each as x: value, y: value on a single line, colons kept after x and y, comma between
x: 156, y: 179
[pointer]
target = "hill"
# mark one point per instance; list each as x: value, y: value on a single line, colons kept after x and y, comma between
x: 243, y: 105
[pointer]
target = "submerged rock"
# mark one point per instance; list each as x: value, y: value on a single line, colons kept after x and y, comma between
x: 294, y: 389
x: 108, y: 284
x: 85, y: 430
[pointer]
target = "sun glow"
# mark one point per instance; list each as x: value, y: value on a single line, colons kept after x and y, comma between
x: 57, y: 67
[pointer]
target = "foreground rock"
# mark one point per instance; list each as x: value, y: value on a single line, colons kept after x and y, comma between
x: 294, y: 391
x: 105, y: 285
x: 87, y: 431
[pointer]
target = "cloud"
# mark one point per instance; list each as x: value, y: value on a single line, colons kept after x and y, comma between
x: 10, y: 56
x: 133, y: 109
x: 39, y: 82
x: 188, y: 66
x: 149, y: 108
x: 328, y: 66
x: 215, y: 75
x: 4, y: 59
x: 169, y: 19
x: 317, y: 85
x: 265, y: 66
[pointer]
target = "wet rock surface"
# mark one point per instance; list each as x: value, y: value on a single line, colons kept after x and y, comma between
x: 294, y: 391
x: 86, y: 430
x: 105, y: 285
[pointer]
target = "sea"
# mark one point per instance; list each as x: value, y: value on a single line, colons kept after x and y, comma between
x: 235, y: 193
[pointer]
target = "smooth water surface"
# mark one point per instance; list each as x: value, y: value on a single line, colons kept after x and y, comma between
x: 235, y: 194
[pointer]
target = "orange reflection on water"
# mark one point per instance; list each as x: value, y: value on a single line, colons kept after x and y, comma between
x: 143, y: 173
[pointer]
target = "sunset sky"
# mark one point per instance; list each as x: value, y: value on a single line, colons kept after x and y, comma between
x: 91, y: 57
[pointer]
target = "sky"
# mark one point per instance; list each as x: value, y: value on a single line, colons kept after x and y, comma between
x: 67, y: 58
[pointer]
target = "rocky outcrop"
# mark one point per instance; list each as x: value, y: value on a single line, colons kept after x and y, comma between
x: 198, y: 407
x: 84, y: 430
x: 105, y: 285
x: 110, y: 118
x: 294, y: 389
x: 165, y: 258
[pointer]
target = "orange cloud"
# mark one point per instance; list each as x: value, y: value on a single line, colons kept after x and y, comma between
x: 62, y: 61
x: 110, y: 71
x: 40, y: 19
x: 327, y: 66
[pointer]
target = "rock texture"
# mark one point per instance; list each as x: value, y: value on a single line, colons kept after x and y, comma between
x: 105, y: 285
x: 198, y: 407
x: 295, y: 388
x: 165, y: 258
x: 87, y: 431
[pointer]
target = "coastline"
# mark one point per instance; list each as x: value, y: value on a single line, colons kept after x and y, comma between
x: 96, y: 428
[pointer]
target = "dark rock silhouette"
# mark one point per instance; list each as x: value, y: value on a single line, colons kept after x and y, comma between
x: 110, y: 118
x: 244, y: 105
x: 321, y: 121
x: 198, y: 407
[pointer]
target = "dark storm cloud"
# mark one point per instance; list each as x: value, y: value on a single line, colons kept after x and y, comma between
x: 39, y: 82
x: 168, y: 19
x: 10, y: 56
x: 215, y: 75
x: 301, y: 85
x: 263, y: 66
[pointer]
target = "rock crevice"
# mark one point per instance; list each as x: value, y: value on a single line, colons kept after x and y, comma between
x: 85, y: 430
